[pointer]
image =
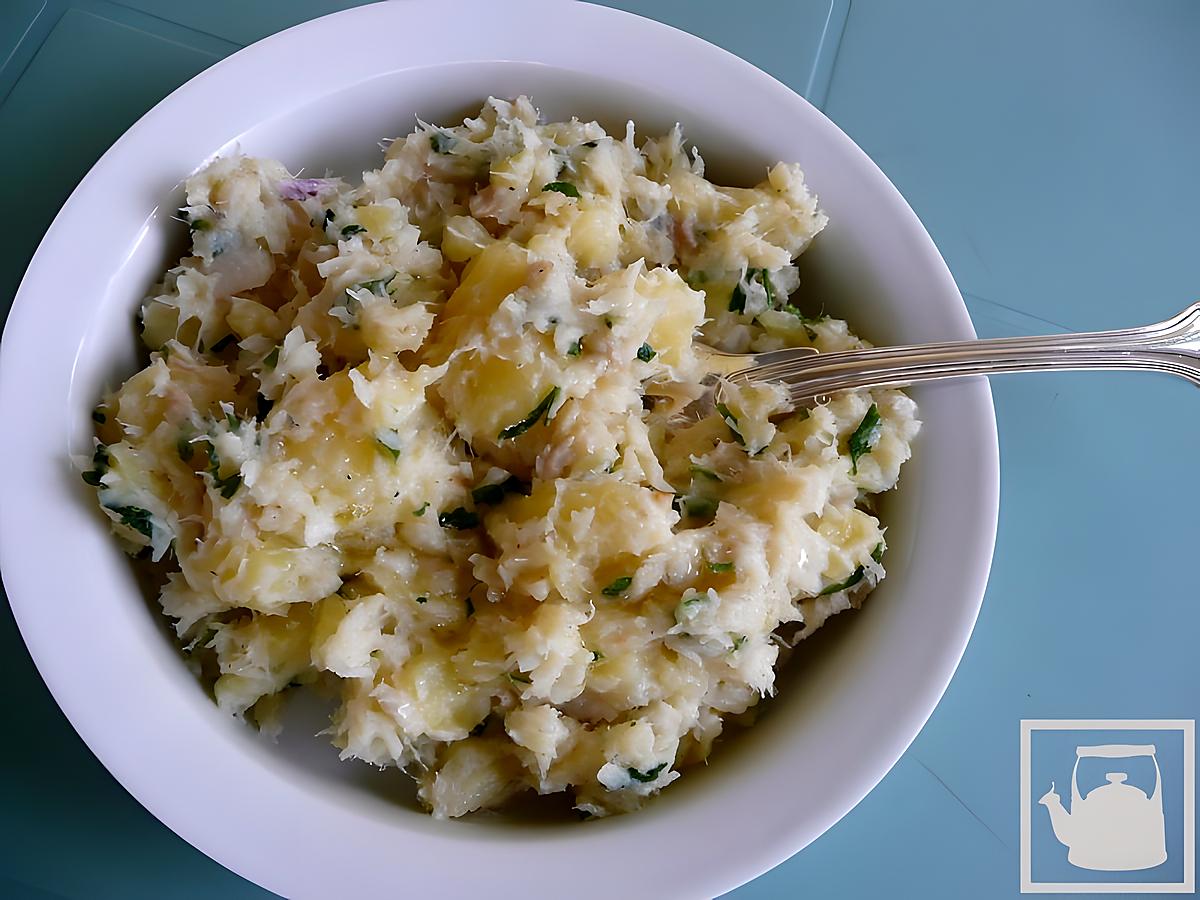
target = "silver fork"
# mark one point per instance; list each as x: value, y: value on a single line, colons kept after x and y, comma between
x: 1172, y: 346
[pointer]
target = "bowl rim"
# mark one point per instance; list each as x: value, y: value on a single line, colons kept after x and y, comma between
x: 206, y: 98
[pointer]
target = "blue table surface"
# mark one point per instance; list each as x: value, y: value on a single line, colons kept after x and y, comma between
x: 1050, y: 149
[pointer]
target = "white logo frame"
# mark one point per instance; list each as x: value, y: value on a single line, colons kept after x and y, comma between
x: 1188, y: 885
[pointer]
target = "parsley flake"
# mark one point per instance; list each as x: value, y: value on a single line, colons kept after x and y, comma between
x: 865, y: 436
x: 647, y: 776
x: 100, y: 464
x: 737, y: 300
x: 136, y: 518
x: 388, y: 442
x: 732, y: 421
x: 494, y: 493
x: 542, y: 409
x: 855, y: 577
x: 459, y: 518
x: 442, y: 142
x: 618, y: 587
x: 562, y: 187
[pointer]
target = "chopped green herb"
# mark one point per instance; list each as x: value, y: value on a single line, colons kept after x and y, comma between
x: 492, y: 494
x: 520, y: 677
x: 183, y: 446
x: 705, y: 473
x: 576, y: 348
x: 562, y: 187
x: 693, y: 600
x: 720, y: 567
x: 646, y: 353
x: 223, y: 343
x: 136, y: 518
x: 442, y: 142
x: 864, y: 438
x: 378, y: 286
x: 100, y: 464
x: 765, y: 280
x: 388, y: 442
x: 618, y: 587
x: 232, y: 421
x: 855, y: 577
x: 422, y: 599
x: 695, y: 278
x: 542, y: 409
x: 459, y: 518
x: 732, y: 421
x: 877, y: 553
x: 738, y: 640
x: 352, y: 229
x: 799, y: 314
x: 488, y: 493
x: 700, y: 507
x: 262, y: 407
x: 647, y: 776
x: 271, y: 360
x: 98, y: 417
x: 421, y: 510
x: 228, y: 486
x: 199, y: 225
x: 737, y: 300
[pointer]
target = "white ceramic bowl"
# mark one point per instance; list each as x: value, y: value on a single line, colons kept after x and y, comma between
x: 292, y: 818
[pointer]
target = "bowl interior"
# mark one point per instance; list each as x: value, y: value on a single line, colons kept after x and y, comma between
x: 849, y: 702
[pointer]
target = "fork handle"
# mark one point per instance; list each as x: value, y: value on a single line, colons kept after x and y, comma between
x: 1172, y: 346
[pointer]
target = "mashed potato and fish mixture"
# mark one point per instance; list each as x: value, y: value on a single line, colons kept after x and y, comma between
x: 413, y: 441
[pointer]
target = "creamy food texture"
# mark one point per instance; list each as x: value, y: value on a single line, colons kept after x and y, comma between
x: 412, y: 439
